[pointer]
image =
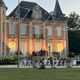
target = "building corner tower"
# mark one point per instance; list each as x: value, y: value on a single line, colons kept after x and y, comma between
x: 3, y: 9
x: 61, y: 39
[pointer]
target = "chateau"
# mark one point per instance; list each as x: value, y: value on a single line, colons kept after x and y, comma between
x: 36, y: 28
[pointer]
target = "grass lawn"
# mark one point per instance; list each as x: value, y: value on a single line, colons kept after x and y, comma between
x: 38, y: 74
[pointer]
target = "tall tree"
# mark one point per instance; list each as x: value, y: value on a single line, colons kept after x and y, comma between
x: 74, y: 32
x: 74, y: 41
x: 73, y: 21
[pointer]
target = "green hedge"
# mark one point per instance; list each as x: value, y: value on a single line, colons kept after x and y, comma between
x: 8, y: 61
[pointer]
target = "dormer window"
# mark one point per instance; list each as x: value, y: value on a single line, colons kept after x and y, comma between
x: 37, y: 7
x: 37, y: 12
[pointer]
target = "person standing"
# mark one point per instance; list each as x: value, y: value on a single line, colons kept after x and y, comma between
x: 51, y: 62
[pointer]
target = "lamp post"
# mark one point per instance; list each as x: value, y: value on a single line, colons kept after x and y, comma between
x: 49, y: 50
x: 18, y: 34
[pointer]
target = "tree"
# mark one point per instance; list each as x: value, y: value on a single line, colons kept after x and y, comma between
x: 74, y: 33
x: 74, y: 41
x: 73, y: 21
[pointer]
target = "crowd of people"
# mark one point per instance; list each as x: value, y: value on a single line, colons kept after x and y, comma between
x: 42, y: 60
x: 40, y: 53
x: 42, y: 63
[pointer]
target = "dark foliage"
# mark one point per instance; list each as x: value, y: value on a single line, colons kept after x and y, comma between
x: 73, y: 21
x: 74, y: 41
x: 74, y: 33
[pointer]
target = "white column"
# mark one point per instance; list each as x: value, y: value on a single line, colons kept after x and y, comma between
x: 45, y: 39
x: 1, y: 35
x: 66, y: 39
x: 5, y: 38
x: 30, y: 38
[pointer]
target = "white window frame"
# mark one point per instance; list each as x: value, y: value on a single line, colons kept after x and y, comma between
x: 12, y: 29
x: 49, y: 31
x: 37, y: 30
x: 59, y: 31
x: 23, y: 30
x: 37, y: 46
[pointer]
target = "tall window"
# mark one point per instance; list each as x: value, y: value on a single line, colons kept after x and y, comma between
x: 59, y: 31
x: 0, y: 16
x: 12, y: 29
x: 23, y: 30
x: 37, y: 46
x: 37, y: 30
x: 3, y: 27
x: 49, y: 30
x: 3, y: 13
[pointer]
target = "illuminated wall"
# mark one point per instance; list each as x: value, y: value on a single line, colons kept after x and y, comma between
x: 50, y: 44
x: 59, y: 45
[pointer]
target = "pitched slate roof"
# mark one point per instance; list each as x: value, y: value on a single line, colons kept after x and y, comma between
x: 57, y: 14
x: 2, y: 4
x: 27, y: 7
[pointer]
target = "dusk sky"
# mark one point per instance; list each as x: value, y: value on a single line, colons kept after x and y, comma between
x: 67, y: 6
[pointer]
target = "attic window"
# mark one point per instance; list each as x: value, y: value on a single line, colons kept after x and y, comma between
x: 37, y: 13
x: 37, y: 7
x: 45, y: 12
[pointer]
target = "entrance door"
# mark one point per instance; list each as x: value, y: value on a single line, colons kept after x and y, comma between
x: 37, y: 46
x: 23, y: 49
x: 12, y: 47
x: 50, y: 49
x: 60, y: 48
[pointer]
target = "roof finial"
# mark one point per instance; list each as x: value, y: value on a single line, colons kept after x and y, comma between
x: 57, y: 14
x: 57, y: 9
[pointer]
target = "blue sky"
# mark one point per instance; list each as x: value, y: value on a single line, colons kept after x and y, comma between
x: 67, y: 6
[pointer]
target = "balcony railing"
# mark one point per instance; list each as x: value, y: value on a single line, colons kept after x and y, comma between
x: 38, y: 36
x: 11, y: 35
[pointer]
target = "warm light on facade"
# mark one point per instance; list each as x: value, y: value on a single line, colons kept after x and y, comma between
x: 12, y: 45
x: 28, y: 32
x: 61, y: 44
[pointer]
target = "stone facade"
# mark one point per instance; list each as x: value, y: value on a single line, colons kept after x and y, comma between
x: 50, y: 35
